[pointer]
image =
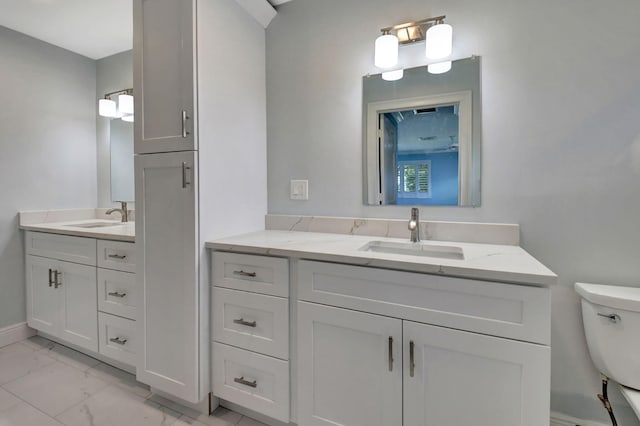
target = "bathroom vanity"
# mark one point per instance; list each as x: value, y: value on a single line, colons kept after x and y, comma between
x: 81, y: 287
x: 325, y: 329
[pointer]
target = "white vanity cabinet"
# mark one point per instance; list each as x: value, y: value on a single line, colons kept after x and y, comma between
x: 78, y: 288
x: 411, y: 366
x: 250, y: 331
x: 61, y: 287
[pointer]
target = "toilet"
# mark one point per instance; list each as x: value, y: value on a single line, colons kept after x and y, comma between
x: 611, y: 317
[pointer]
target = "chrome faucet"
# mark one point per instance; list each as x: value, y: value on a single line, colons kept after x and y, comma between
x: 124, y: 213
x: 414, y: 225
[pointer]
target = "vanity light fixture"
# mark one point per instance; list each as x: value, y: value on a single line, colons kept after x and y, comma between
x: 123, y: 108
x: 439, y: 45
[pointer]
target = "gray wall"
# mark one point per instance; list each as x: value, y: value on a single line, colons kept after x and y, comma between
x: 47, y: 146
x: 112, y: 73
x: 561, y: 136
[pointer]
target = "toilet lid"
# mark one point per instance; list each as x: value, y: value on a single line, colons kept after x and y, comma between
x: 611, y: 296
x: 633, y: 398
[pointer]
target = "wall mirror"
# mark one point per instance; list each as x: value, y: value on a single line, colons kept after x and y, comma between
x: 122, y: 176
x: 421, y: 137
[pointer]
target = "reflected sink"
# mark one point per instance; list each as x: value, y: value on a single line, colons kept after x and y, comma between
x: 414, y: 249
x: 101, y: 224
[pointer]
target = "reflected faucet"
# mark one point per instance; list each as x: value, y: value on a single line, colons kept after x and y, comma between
x: 124, y: 213
x: 414, y: 225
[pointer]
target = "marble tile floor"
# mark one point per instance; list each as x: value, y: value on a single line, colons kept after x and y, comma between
x: 43, y: 383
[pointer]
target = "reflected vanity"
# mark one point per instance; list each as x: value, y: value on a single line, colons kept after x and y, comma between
x: 421, y: 137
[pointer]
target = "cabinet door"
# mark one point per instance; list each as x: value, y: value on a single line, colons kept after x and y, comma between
x: 166, y: 258
x: 163, y: 52
x: 462, y: 378
x: 349, y: 367
x: 78, y: 319
x: 42, y: 297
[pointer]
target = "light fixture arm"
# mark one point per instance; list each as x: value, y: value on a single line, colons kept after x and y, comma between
x: 119, y: 92
x: 411, y: 32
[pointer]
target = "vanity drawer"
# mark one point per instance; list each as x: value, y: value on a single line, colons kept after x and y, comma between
x: 117, y: 293
x: 258, y: 274
x: 117, y: 255
x: 254, y: 381
x: 62, y: 247
x: 117, y: 338
x: 251, y: 321
x: 505, y: 310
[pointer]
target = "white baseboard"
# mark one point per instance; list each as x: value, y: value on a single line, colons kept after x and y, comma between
x: 558, y: 419
x: 15, y: 333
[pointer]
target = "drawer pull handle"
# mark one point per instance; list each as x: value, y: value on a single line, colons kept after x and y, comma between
x: 245, y: 274
x: 116, y: 294
x: 117, y: 256
x: 390, y: 353
x: 50, y: 277
x: 242, y: 381
x: 241, y: 321
x: 118, y: 340
x: 57, y: 282
x: 412, y: 364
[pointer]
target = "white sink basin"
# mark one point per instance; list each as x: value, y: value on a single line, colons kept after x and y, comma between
x: 97, y: 224
x: 414, y: 249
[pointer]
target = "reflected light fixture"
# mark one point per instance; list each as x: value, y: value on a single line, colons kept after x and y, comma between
x: 393, y: 75
x: 128, y: 118
x: 439, y: 44
x: 439, y: 67
x: 123, y: 108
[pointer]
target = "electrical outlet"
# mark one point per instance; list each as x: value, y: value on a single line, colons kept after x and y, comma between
x: 299, y: 190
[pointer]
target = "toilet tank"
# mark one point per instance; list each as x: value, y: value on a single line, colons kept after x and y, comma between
x: 611, y: 317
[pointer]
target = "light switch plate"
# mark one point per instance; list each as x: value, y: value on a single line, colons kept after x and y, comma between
x: 299, y: 190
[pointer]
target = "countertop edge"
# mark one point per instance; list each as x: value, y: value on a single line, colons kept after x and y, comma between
x: 513, y: 277
x: 77, y: 233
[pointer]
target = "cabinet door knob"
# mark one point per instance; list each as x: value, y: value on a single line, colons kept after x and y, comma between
x: 412, y: 364
x: 390, y: 353
x: 117, y: 256
x: 118, y: 340
x: 57, y: 281
x: 245, y: 274
x: 241, y: 321
x: 242, y: 381
x: 116, y: 294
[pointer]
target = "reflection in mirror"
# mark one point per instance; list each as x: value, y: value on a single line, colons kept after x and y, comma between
x: 422, y: 137
x: 122, y: 177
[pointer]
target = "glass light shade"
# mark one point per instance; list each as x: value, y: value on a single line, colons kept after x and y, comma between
x: 128, y: 118
x: 439, y: 41
x: 386, y: 54
x: 439, y: 68
x: 393, y: 75
x: 125, y: 104
x: 107, y: 108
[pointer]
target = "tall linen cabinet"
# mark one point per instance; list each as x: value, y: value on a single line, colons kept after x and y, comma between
x: 200, y: 144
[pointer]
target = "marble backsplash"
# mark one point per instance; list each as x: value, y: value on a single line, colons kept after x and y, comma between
x: 470, y: 232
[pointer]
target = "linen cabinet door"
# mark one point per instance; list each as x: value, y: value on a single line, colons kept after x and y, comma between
x: 167, y: 280
x: 42, y: 298
x: 349, y: 367
x: 454, y: 377
x: 77, y: 285
x: 163, y: 46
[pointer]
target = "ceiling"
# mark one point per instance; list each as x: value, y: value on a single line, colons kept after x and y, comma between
x: 92, y: 28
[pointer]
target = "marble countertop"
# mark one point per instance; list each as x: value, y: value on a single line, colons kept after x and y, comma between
x: 506, y: 263
x: 118, y: 232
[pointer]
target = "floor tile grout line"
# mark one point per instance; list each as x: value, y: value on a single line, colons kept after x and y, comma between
x: 29, y: 404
